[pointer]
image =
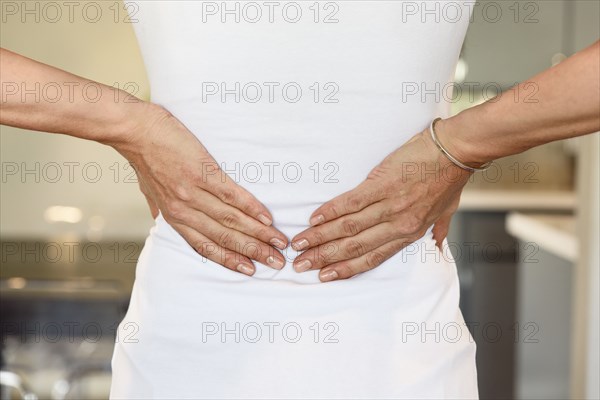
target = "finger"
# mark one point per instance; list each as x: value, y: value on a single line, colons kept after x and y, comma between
x: 233, y: 218
x: 442, y: 225
x: 344, y: 249
x: 350, y: 202
x: 346, y: 226
x: 217, y: 182
x: 209, y: 249
x: 233, y: 240
x: 348, y: 268
x: 440, y: 230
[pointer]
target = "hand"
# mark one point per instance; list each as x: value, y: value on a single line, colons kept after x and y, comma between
x: 218, y: 218
x: 413, y: 188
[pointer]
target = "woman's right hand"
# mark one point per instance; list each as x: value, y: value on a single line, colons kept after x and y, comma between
x: 221, y: 220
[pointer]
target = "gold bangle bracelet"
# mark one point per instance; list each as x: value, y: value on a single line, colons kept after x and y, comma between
x: 450, y: 156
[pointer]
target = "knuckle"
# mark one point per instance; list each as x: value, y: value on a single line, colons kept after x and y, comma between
x: 411, y: 230
x: 320, y: 257
x: 175, y: 209
x: 374, y: 259
x: 226, y: 239
x: 247, y: 202
x: 331, y: 209
x: 182, y: 193
x: 409, y: 227
x: 353, y: 202
x: 227, y: 195
x: 350, y: 227
x: 229, y: 219
x: 318, y: 237
x: 354, y: 248
x: 376, y: 173
x: 397, y: 208
x: 328, y: 253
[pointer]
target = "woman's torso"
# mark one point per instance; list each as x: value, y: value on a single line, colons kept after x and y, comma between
x: 393, y: 332
x: 298, y: 101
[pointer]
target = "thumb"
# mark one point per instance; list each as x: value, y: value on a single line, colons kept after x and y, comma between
x: 440, y: 229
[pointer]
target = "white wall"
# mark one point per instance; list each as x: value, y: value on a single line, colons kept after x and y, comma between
x: 586, y: 310
x: 585, y: 355
x: 593, y: 264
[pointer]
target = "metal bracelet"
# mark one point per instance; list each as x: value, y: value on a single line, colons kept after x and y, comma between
x: 450, y: 156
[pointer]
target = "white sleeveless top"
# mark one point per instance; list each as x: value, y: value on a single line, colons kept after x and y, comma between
x: 297, y: 101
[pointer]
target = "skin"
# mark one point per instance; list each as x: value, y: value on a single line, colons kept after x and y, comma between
x: 360, y: 229
x: 392, y: 208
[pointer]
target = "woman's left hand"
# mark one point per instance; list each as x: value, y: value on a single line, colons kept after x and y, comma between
x: 414, y: 187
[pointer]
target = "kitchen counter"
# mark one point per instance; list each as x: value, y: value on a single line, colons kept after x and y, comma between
x: 507, y: 200
x: 554, y: 233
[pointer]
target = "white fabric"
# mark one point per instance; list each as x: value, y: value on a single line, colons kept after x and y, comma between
x: 393, y: 332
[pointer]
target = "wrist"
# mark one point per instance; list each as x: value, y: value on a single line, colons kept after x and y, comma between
x: 132, y: 123
x: 442, y: 162
x: 453, y: 135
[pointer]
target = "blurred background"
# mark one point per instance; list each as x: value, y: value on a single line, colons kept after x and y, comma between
x: 525, y: 238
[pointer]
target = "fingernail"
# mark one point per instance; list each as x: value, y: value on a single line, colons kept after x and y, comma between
x: 302, y: 266
x: 329, y: 275
x: 275, y: 262
x: 278, y: 243
x: 264, y: 219
x: 317, y: 219
x: 300, y: 244
x: 245, y: 269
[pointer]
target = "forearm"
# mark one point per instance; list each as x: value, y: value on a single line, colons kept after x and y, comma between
x: 559, y: 103
x: 40, y: 97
